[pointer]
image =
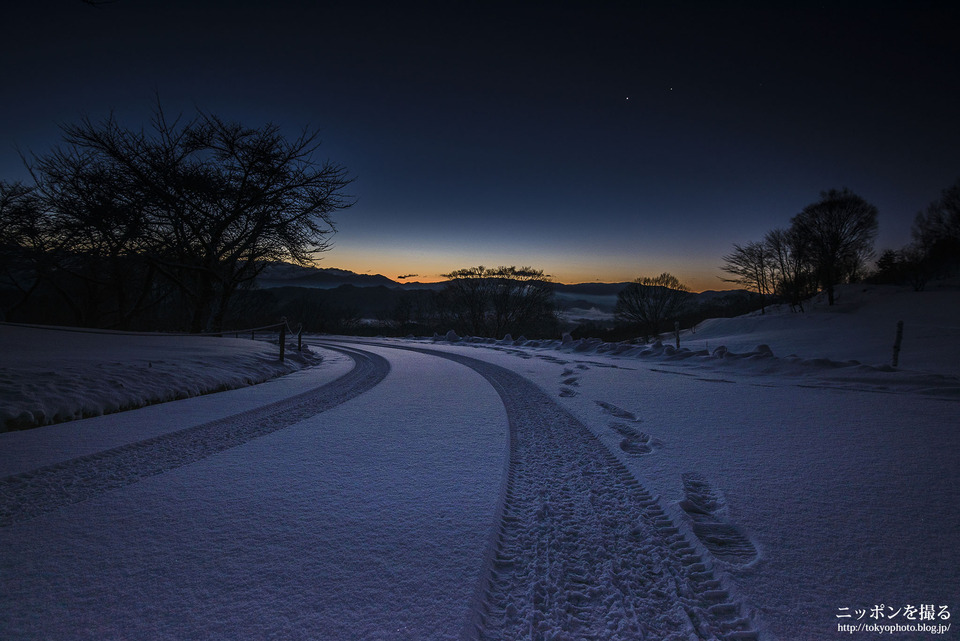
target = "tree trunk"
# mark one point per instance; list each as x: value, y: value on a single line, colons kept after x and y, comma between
x: 202, y: 304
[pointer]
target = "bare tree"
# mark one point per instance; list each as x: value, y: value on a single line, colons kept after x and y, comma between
x: 26, y: 244
x: 649, y: 302
x: 99, y: 214
x: 751, y: 264
x: 485, y: 302
x: 466, y: 298
x: 209, y: 202
x: 521, y: 299
x: 790, y: 273
x: 839, y: 231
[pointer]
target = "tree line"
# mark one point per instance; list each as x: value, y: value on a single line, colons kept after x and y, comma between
x: 486, y: 302
x: 828, y: 243
x: 476, y: 301
x: 934, y: 249
x: 831, y: 241
x: 168, y: 226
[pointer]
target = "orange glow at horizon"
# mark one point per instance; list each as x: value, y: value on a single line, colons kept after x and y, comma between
x: 431, y: 269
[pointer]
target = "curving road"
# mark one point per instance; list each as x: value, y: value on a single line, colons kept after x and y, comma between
x: 29, y: 494
x: 424, y: 495
x: 582, y: 550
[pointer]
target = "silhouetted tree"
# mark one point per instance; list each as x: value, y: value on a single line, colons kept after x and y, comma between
x: 650, y: 302
x: 492, y: 302
x: 888, y: 264
x: 522, y: 300
x: 26, y: 244
x: 99, y: 215
x: 902, y: 267
x: 752, y: 265
x: 838, y: 232
x: 936, y: 234
x: 790, y: 270
x: 466, y: 299
x: 207, y: 203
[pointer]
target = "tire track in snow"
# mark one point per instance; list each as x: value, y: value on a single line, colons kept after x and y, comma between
x: 582, y: 550
x: 29, y: 494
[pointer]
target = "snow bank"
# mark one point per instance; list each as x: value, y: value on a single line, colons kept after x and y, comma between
x: 51, y: 375
x: 861, y: 326
x: 820, y: 480
x: 850, y: 343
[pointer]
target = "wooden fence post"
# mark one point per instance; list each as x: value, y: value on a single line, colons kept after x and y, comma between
x: 896, y: 343
x: 300, y: 338
x: 283, y: 339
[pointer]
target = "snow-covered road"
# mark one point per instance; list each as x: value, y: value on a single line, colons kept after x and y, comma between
x: 583, y: 551
x: 429, y: 490
x: 803, y: 494
x: 366, y: 519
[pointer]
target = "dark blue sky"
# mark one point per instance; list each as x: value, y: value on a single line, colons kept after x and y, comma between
x: 593, y: 140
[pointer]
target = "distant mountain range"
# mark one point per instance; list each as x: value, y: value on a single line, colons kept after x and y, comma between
x: 287, y: 275
x: 602, y: 296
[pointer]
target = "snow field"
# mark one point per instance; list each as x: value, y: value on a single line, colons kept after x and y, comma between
x: 806, y: 497
x: 746, y: 494
x: 51, y: 375
x: 861, y: 326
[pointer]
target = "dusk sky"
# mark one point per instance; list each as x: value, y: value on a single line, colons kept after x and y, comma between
x: 595, y: 141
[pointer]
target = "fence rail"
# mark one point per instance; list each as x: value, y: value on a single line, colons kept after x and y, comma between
x: 284, y: 328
